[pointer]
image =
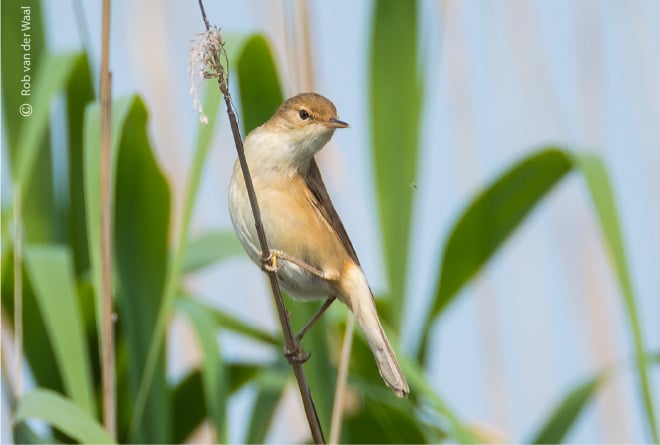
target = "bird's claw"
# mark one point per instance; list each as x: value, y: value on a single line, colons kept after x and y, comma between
x: 270, y: 263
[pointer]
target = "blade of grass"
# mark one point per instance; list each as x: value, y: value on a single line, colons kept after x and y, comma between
x: 385, y: 419
x: 63, y: 414
x: 188, y: 407
x: 363, y: 368
x: 38, y: 208
x: 51, y: 273
x: 12, y: 55
x: 80, y: 92
x: 600, y: 189
x: 52, y: 78
x: 230, y: 322
x: 269, y: 393
x: 213, y: 370
x: 54, y: 74
x: 419, y: 384
x: 37, y: 349
x: 258, y: 83
x: 396, y: 105
x: 187, y: 394
x: 568, y: 410
x: 210, y: 248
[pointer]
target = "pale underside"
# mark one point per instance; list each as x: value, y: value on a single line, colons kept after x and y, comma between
x: 314, y: 237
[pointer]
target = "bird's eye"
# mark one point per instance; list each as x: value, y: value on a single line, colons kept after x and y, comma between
x: 304, y: 115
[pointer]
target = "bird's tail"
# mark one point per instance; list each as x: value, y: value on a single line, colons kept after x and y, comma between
x: 364, y: 308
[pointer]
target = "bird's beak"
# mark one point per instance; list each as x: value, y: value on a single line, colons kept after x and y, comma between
x: 336, y: 123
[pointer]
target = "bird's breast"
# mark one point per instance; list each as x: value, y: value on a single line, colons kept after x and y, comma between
x: 292, y: 225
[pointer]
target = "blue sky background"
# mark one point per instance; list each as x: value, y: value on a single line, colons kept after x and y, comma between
x: 502, y: 79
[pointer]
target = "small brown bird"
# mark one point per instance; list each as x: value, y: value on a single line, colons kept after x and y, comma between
x: 315, y: 257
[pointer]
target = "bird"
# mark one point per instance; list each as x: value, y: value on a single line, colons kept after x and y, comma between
x: 309, y: 247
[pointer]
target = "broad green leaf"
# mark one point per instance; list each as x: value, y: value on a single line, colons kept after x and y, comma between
x: 600, y: 189
x: 570, y: 407
x: 230, y: 322
x: 79, y: 93
x: 38, y: 209
x: 52, y: 78
x: 13, y: 58
x: 23, y: 433
x: 188, y: 395
x: 384, y: 418
x: 213, y: 372
x: 51, y: 274
x: 258, y: 83
x: 270, y: 386
x: 263, y: 412
x: 498, y: 210
x: 567, y: 411
x: 210, y: 248
x: 92, y: 183
x: 364, y: 369
x: 188, y: 406
x: 240, y: 374
x: 490, y: 218
x: 141, y: 225
x: 38, y: 349
x: 420, y: 388
x: 396, y: 105
x: 63, y: 414
x: 202, y: 146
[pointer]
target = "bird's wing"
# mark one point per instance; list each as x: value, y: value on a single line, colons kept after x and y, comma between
x: 324, y: 205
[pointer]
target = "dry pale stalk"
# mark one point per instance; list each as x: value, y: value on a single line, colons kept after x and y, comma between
x: 342, y: 377
x: 107, y: 340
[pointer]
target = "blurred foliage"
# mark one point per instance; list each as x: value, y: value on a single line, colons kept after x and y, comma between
x: 61, y: 265
x: 396, y: 91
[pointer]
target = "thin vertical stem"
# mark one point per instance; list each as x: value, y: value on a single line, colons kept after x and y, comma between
x: 293, y: 350
x: 308, y: 62
x: 342, y: 377
x: 292, y: 346
x: 288, y: 17
x: 18, y: 291
x: 108, y: 361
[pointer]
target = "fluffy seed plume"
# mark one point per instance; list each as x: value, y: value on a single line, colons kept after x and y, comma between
x: 205, y: 63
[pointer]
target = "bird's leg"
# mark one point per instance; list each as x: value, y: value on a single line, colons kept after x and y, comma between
x: 270, y: 264
x: 324, y: 307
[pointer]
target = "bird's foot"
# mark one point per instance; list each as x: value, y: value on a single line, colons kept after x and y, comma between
x: 270, y: 264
